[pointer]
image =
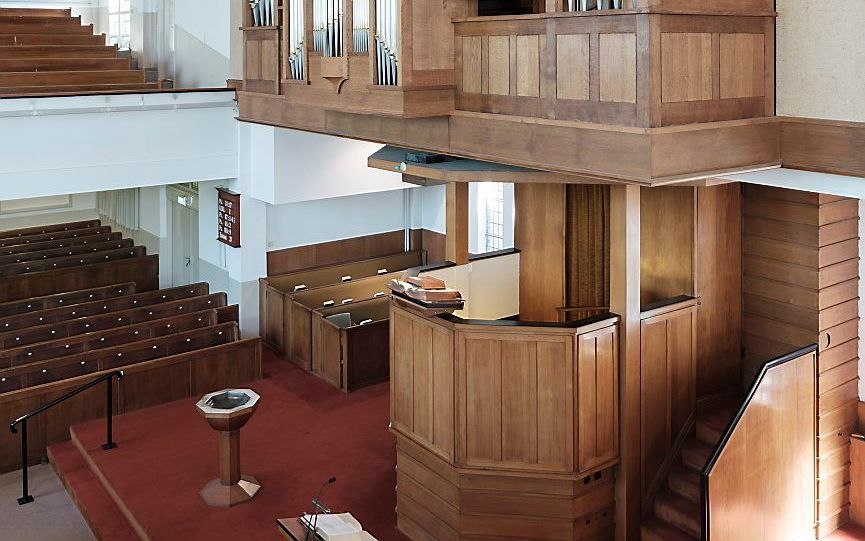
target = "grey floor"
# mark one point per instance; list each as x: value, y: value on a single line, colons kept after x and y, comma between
x: 52, y: 517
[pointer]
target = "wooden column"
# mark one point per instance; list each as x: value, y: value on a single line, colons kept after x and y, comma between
x: 625, y: 301
x: 457, y: 232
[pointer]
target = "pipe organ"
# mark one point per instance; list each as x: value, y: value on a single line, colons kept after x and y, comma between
x: 296, y: 43
x: 263, y: 12
x: 387, y: 41
x: 327, y: 27
x: 589, y: 5
x: 360, y: 24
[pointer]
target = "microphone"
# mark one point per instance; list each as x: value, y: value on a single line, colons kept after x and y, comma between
x: 318, y: 507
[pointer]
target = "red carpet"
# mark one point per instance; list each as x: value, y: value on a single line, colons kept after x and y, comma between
x: 303, y: 432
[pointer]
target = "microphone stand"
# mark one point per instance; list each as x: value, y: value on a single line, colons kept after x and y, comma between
x: 318, y: 508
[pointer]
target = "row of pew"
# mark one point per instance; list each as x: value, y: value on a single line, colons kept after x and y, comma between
x: 72, y: 256
x: 334, y: 320
x: 171, y: 343
x: 47, y: 51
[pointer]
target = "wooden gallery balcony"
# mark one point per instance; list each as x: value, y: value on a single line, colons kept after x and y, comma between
x: 688, y: 91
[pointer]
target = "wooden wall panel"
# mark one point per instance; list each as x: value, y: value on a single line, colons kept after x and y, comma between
x: 528, y: 66
x: 421, y: 382
x: 718, y: 285
x: 499, y: 65
x: 618, y: 67
x: 686, y: 67
x: 666, y: 243
x: 517, y: 398
x: 572, y: 66
x: 539, y: 234
x: 764, y: 477
x: 742, y: 69
x: 800, y: 286
x: 471, y: 61
x: 597, y: 398
x: 668, y: 395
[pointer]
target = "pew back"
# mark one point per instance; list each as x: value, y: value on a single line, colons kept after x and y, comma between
x: 100, y: 235
x: 357, y: 355
x: 36, y: 255
x: 303, y: 304
x: 66, y: 299
x: 43, y: 229
x: 72, y: 261
x: 54, y: 235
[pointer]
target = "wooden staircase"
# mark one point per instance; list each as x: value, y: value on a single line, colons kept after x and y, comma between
x: 677, y: 513
x: 47, y: 51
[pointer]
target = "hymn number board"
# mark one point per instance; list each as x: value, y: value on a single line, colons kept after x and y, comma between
x: 228, y: 216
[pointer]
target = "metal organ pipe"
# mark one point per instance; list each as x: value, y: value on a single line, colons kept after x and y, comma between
x: 387, y: 41
x: 296, y: 39
x: 360, y: 22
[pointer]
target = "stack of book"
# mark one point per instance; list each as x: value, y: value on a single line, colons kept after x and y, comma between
x: 427, y: 291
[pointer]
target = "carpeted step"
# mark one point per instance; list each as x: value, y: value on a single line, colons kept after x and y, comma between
x: 685, y: 481
x: 695, y: 453
x: 97, y: 507
x: 714, y: 416
x: 656, y: 529
x: 679, y: 512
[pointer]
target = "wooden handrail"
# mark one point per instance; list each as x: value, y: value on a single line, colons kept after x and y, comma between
x: 731, y: 429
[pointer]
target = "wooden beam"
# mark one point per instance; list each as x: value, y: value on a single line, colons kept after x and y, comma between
x: 457, y: 232
x: 625, y: 301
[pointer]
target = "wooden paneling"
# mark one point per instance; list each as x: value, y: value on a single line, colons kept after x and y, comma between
x: 764, y: 476
x: 666, y: 243
x: 668, y: 391
x: 539, y: 234
x: 335, y: 252
x: 804, y: 289
x: 718, y: 285
x: 618, y: 67
x: 742, y: 66
x: 597, y: 398
x: 528, y: 66
x: 499, y: 65
x: 686, y: 67
x: 457, y: 223
x: 572, y: 66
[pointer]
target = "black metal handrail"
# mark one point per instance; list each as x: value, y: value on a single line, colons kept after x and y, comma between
x: 109, y: 415
x: 731, y: 427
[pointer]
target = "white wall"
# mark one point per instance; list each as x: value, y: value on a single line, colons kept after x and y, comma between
x: 821, y: 55
x: 52, y: 146
x: 491, y: 286
x: 202, y: 42
x: 78, y: 207
x: 429, y: 208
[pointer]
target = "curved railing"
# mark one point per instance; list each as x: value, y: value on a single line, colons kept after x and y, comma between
x: 760, y: 477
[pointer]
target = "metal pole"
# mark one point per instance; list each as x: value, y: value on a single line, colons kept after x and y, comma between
x: 109, y: 440
x: 25, y: 492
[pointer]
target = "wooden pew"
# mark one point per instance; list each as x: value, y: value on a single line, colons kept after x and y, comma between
x: 63, y: 64
x: 108, y: 236
x: 15, y: 25
x: 72, y: 90
x: 145, y: 384
x: 52, y: 235
x: 144, y: 271
x: 59, y: 51
x: 109, y: 322
x: 70, y: 313
x: 80, y: 260
x: 350, y: 343
x: 66, y: 299
x: 276, y: 292
x: 52, y: 39
x: 38, y: 12
x: 52, y: 228
x: 70, y: 78
x: 304, y: 303
x: 112, y: 358
x: 37, y: 255
x: 126, y: 334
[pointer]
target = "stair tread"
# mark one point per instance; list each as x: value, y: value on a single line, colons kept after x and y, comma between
x: 660, y: 530
x: 696, y: 448
x: 717, y: 413
x: 681, y: 512
x: 684, y: 480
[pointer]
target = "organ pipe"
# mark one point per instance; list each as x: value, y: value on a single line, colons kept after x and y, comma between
x: 360, y: 23
x: 263, y: 12
x: 296, y: 40
x: 328, y: 27
x: 589, y: 5
x: 387, y: 16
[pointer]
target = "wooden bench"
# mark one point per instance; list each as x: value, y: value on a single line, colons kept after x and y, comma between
x: 59, y: 51
x: 146, y: 383
x: 80, y: 260
x: 112, y: 358
x: 115, y: 336
x: 304, y: 303
x: 26, y: 25
x: 72, y: 90
x: 144, y: 271
x: 37, y: 12
x: 51, y: 39
x: 63, y: 64
x: 66, y: 299
x: 36, y: 255
x: 103, y: 306
x: 276, y: 292
x: 52, y: 228
x: 350, y: 344
x: 108, y: 236
x: 27, y: 240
